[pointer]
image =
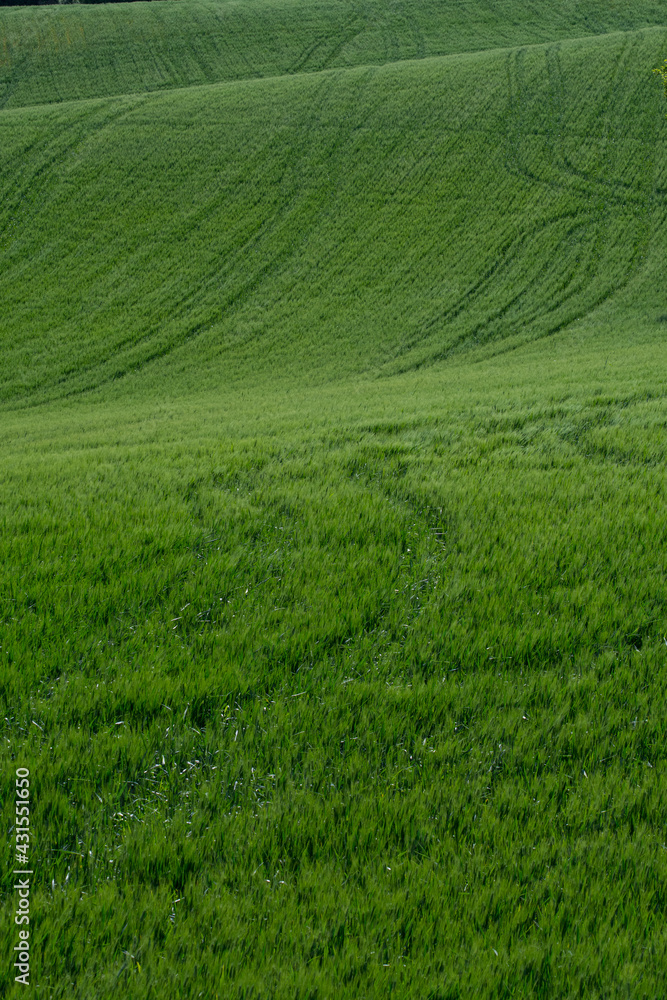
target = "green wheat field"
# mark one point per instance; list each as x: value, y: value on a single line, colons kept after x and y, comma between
x: 333, y: 505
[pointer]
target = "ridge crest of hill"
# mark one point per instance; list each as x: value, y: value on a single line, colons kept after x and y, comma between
x: 65, y: 52
x: 328, y: 71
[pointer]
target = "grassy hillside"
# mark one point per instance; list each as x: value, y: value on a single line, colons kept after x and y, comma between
x: 332, y: 605
x: 373, y: 219
x: 346, y: 691
x: 75, y: 51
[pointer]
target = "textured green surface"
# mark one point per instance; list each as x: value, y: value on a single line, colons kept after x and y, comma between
x: 333, y: 520
x: 374, y: 219
x: 77, y: 51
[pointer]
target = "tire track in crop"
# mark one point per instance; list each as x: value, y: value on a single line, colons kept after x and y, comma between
x: 132, y: 340
x: 34, y: 186
x: 51, y: 150
x: 396, y: 41
x: 417, y: 34
x: 552, y: 291
x: 312, y: 146
x: 213, y: 47
x: 537, y: 301
x: 520, y: 125
x: 610, y: 191
x: 330, y: 49
x: 507, y: 259
x: 587, y: 268
x: 504, y: 258
x: 547, y: 311
x: 604, y: 113
x: 338, y: 155
x: 16, y: 71
x: 237, y: 296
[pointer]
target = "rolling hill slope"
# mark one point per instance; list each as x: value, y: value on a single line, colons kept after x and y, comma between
x: 371, y: 219
x: 78, y: 51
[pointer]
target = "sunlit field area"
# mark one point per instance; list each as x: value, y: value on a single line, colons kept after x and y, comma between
x: 333, y: 548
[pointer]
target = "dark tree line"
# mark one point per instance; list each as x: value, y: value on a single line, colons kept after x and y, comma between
x: 42, y: 3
